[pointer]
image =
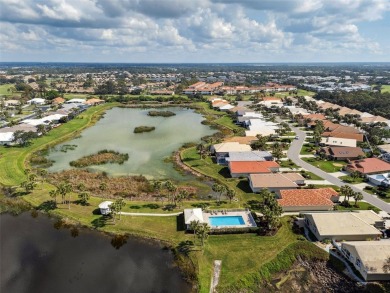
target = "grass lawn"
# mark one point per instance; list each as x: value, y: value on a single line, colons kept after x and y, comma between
x: 313, y: 176
x: 327, y: 166
x: 305, y: 93
x: 288, y: 164
x: 307, y: 150
x: 228, y: 123
x: 383, y: 195
x: 351, y: 180
x: 221, y: 173
x: 239, y: 253
x: 13, y: 159
x: 385, y: 89
x: 361, y: 206
x: 4, y: 90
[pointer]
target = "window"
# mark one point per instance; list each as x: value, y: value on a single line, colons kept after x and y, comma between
x: 358, y: 262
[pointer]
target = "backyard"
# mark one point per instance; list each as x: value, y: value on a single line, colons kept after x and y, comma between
x: 326, y: 166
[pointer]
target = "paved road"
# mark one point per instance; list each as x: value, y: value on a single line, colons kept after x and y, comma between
x: 293, y: 154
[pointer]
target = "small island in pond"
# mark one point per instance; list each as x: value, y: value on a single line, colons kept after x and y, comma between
x: 102, y: 157
x: 141, y: 129
x: 161, y: 113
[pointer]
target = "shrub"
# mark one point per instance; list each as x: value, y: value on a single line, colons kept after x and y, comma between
x: 141, y: 129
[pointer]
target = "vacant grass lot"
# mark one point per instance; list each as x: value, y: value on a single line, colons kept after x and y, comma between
x: 327, y: 166
x: 13, y: 160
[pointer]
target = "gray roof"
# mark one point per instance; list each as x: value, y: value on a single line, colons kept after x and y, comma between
x: 249, y: 156
x: 21, y: 127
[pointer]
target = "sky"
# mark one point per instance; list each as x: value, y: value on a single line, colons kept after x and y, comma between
x: 195, y: 31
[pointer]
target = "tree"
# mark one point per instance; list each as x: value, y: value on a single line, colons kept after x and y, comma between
x: 157, y: 187
x: 63, y: 189
x: 53, y: 194
x: 43, y: 173
x: 231, y: 193
x: 172, y: 188
x: 23, y: 138
x: 271, y: 209
x: 84, y: 197
x: 28, y: 186
x: 201, y: 150
x: 220, y: 189
x: 202, y: 231
x: 116, y: 207
x: 194, y: 226
x: 347, y: 192
x: 103, y: 186
x: 183, y: 194
x: 277, y: 152
x: 386, y: 265
x: 357, y: 196
x: 355, y: 174
x: 41, y: 128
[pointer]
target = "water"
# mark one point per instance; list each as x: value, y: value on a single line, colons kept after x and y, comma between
x: 35, y: 257
x: 146, y: 150
x: 226, y: 221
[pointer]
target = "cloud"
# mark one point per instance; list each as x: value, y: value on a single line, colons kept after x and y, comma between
x: 222, y: 28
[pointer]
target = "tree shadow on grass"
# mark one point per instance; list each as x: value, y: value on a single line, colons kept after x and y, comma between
x: 202, y: 205
x: 186, y: 247
x: 254, y: 204
x: 100, y: 222
x: 135, y: 207
x: 225, y: 172
x: 47, y: 206
x: 244, y: 186
x: 152, y: 206
x: 180, y: 224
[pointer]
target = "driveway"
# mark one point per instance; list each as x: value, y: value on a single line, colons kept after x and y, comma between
x: 293, y: 154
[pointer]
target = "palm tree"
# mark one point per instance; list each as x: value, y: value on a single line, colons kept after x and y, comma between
x: 220, y: 189
x: 357, y: 196
x: 194, y: 226
x: 43, y: 173
x: 103, y: 186
x: 231, y: 193
x: 81, y: 186
x: 202, y: 231
x: 53, y: 194
x: 172, y: 188
x: 201, y: 149
x: 84, y: 197
x: 119, y: 203
x: 347, y: 192
x: 63, y: 189
x: 183, y: 194
x: 386, y: 265
x: 41, y: 128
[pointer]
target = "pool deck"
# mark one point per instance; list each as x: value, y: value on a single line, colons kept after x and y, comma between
x: 246, y: 215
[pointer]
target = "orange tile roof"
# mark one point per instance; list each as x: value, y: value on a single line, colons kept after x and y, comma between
x: 369, y: 166
x: 252, y: 167
x: 314, y: 117
x: 357, y: 136
x: 307, y: 197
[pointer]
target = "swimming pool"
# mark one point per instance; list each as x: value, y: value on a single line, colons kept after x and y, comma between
x: 221, y: 221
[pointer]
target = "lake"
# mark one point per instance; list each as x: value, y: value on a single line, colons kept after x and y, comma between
x: 147, y: 151
x: 35, y: 257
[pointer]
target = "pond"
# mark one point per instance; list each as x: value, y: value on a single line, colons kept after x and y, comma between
x: 147, y: 151
x: 35, y: 257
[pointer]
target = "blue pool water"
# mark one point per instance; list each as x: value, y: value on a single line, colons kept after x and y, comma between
x: 226, y: 221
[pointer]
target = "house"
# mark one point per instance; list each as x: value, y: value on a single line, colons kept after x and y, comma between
x: 226, y: 107
x: 191, y: 215
x: 94, y: 101
x: 335, y: 141
x: 342, y: 153
x: 105, y: 207
x: 58, y: 101
x: 11, y: 103
x: 275, y: 182
x: 368, y: 257
x: 382, y: 179
x: 349, y: 226
x: 241, y: 139
x: 368, y: 166
x: 222, y: 150
x: 296, y: 200
x: 243, y: 169
x: 76, y: 101
x: 251, y: 156
x: 385, y: 150
x: 6, y: 138
x: 36, y: 101
x: 357, y: 136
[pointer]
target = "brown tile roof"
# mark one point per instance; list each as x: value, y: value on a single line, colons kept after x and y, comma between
x: 275, y: 180
x: 58, y: 100
x: 237, y: 167
x: 307, y: 197
x: 374, y: 119
x: 369, y: 166
x: 357, y: 136
x: 314, y: 117
x: 241, y: 139
x: 345, y: 152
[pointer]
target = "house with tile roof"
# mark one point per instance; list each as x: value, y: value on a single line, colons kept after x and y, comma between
x: 275, y: 182
x: 222, y: 150
x: 368, y: 257
x: 252, y: 156
x: 357, y: 136
x: 243, y: 169
x: 349, y: 226
x: 336, y: 141
x: 368, y: 166
x: 297, y: 200
x: 342, y: 153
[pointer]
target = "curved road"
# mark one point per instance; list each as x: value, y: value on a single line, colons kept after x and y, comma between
x: 293, y: 154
